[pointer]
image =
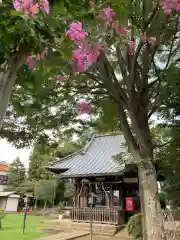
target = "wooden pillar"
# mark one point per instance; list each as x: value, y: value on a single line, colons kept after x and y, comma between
x: 111, y: 198
x: 77, y: 191
x: 86, y: 190
x: 121, y: 197
x: 84, y: 196
x: 81, y: 196
x: 122, y: 213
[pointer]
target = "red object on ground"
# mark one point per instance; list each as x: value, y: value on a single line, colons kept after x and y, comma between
x: 30, y: 210
x: 129, y: 204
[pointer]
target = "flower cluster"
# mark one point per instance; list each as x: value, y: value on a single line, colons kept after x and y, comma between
x: 83, y: 107
x: 169, y: 5
x: 76, y: 32
x: 31, y: 8
x: 31, y: 60
x: 85, y: 54
x: 107, y: 14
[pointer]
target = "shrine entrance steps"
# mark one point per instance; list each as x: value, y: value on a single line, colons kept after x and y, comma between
x: 82, y: 236
x: 58, y: 230
x: 67, y: 225
x: 65, y: 236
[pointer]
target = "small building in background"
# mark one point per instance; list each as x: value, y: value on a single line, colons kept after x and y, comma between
x: 4, y: 170
x: 9, y: 201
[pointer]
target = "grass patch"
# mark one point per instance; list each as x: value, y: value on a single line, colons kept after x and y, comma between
x: 12, y: 227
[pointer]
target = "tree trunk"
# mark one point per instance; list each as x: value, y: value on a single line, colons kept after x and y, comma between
x: 35, y: 206
x: 45, y: 204
x: 7, y: 78
x: 142, y: 207
x: 151, y: 209
x: 8, y: 73
x: 140, y: 146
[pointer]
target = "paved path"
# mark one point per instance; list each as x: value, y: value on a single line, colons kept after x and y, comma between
x: 122, y: 235
x: 81, y: 235
x: 102, y: 238
x: 65, y: 236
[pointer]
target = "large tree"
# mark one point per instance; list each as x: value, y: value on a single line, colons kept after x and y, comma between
x: 17, y: 173
x: 39, y: 158
x: 45, y: 190
x: 129, y: 55
x: 129, y: 64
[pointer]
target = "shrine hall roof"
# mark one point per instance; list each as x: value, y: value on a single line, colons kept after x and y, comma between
x: 95, y: 159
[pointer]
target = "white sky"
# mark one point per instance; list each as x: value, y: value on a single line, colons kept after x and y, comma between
x: 8, y: 153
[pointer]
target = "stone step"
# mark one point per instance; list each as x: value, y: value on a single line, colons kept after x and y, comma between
x: 67, y: 225
x: 65, y: 236
x: 103, y: 229
x: 99, y: 237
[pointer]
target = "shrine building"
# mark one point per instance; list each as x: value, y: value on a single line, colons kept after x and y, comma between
x: 99, y: 177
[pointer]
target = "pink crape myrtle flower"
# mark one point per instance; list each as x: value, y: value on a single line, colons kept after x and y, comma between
x: 84, y: 56
x: 44, y: 6
x: 29, y: 7
x: 169, y: 5
x: 76, y: 32
x: 31, y: 62
x: 107, y: 14
x: 132, y: 46
x: 178, y: 7
x: 83, y: 107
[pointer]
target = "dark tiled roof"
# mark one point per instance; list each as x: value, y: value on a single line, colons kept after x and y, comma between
x: 95, y: 159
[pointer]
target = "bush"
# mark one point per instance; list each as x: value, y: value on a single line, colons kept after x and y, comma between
x: 178, y: 229
x: 134, y: 227
x: 2, y: 215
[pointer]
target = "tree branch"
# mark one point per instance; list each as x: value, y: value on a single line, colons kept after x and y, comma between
x: 122, y: 63
x: 156, y: 102
x: 120, y: 90
x: 130, y: 140
x: 151, y: 84
x: 150, y: 19
x: 109, y: 79
x: 138, y: 50
x: 172, y: 44
x: 155, y: 105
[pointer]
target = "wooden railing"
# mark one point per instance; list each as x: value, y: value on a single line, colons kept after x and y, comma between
x: 98, y: 214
